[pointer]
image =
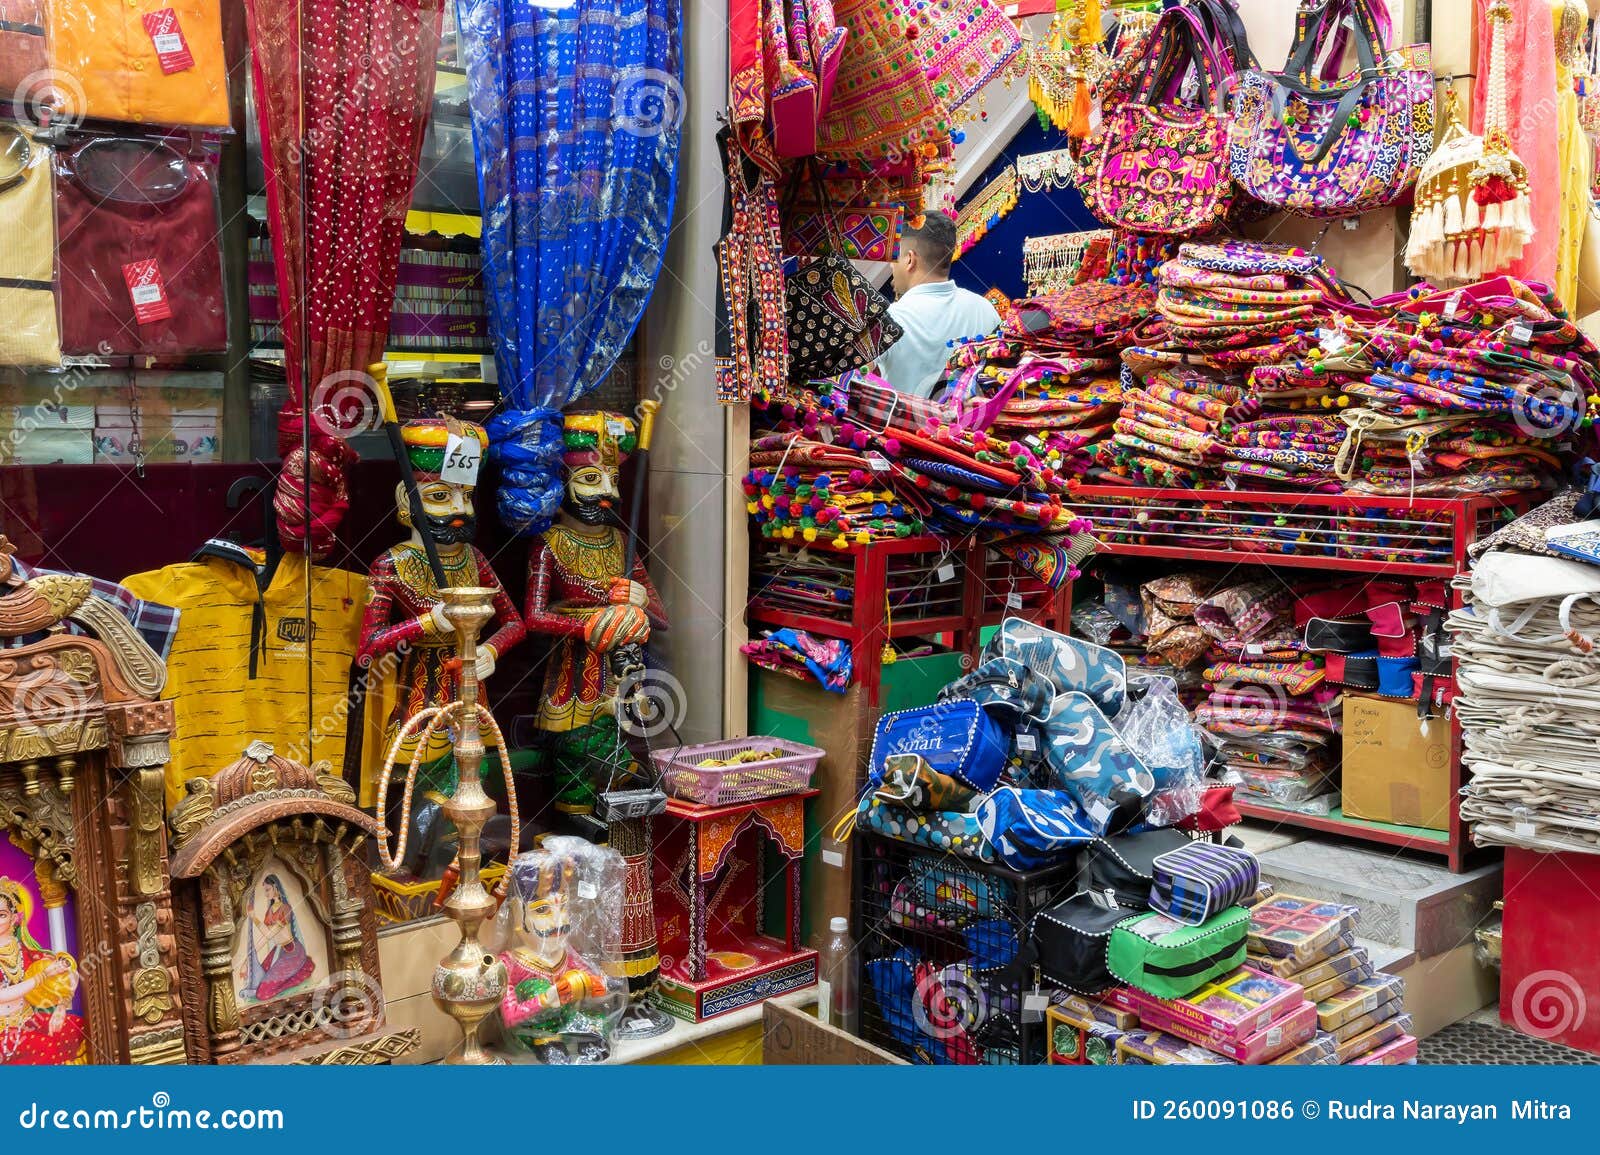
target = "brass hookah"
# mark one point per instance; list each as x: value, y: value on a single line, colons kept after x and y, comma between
x: 469, y: 981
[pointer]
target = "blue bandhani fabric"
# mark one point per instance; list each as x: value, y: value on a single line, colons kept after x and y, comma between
x: 576, y: 112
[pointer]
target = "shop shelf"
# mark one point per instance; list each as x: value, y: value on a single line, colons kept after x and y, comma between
x: 914, y: 587
x: 1424, y: 537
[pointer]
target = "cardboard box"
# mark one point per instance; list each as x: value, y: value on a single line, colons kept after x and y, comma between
x: 1393, y: 771
x: 23, y: 446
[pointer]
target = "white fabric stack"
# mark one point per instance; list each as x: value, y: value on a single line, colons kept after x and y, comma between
x: 1529, y: 702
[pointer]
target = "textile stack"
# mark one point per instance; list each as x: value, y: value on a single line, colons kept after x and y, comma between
x: 1524, y: 644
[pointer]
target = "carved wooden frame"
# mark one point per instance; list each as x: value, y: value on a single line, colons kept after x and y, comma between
x: 81, y: 773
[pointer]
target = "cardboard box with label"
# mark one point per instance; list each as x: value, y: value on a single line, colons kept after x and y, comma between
x: 1396, y: 767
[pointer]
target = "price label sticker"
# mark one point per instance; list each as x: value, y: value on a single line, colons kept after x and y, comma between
x: 1027, y: 743
x: 947, y: 572
x: 1524, y: 830
x: 878, y: 463
x: 462, y: 456
x: 833, y: 858
x: 1521, y: 334
x: 588, y: 890
x: 1332, y: 340
x: 1034, y: 1004
x: 172, y: 51
x: 1452, y: 306
x: 147, y: 291
x: 1013, y: 601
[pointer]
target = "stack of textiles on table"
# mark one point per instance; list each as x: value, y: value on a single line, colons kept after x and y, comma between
x: 1275, y: 721
x: 1466, y: 391
x: 1360, y: 1012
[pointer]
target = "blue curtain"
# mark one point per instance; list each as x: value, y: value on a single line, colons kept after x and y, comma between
x: 576, y: 112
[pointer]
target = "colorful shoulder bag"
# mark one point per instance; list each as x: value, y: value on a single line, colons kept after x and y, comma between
x: 1321, y: 147
x: 1162, y: 162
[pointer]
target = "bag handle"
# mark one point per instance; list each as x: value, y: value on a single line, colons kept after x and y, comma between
x: 1186, y: 42
x: 1329, y: 27
x: 1226, y: 29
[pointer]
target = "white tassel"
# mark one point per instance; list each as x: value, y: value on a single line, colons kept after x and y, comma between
x: 1491, y: 218
x: 1452, y: 215
x: 1471, y: 220
x: 1447, y: 267
x: 1475, y: 267
x: 1524, y: 217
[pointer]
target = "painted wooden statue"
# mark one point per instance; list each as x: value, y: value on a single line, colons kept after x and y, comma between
x: 601, y: 618
x: 405, y: 636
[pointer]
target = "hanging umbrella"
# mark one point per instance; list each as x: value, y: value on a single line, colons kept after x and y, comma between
x: 343, y: 91
x: 575, y: 122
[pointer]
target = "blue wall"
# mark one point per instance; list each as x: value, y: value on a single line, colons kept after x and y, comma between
x: 996, y: 262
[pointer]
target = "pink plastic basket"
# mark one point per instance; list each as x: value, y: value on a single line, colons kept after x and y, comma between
x: 728, y: 785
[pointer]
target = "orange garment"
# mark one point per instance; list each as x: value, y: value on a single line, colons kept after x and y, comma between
x: 105, y: 64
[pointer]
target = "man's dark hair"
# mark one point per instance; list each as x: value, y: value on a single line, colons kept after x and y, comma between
x: 934, y: 242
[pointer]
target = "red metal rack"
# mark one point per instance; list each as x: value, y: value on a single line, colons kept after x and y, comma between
x: 1381, y: 536
x: 909, y: 587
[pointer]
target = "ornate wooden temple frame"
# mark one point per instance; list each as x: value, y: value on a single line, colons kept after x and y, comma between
x: 83, y: 743
x: 273, y: 847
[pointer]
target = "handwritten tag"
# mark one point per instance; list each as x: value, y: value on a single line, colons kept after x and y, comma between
x: 147, y: 291
x: 172, y: 51
x: 462, y: 456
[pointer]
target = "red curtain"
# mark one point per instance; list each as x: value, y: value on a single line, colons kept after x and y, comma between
x: 343, y: 90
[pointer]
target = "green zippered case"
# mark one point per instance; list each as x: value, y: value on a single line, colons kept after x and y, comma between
x: 1165, y: 958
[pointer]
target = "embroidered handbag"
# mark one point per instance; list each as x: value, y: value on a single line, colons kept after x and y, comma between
x: 1195, y: 882
x: 837, y: 320
x: 1321, y: 147
x: 1162, y: 163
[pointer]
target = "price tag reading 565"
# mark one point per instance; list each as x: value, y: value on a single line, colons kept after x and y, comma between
x: 462, y: 456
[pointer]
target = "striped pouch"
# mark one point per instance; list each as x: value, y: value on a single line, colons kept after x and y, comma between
x: 1195, y: 882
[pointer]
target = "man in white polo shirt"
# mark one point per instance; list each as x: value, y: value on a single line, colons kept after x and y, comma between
x: 932, y: 309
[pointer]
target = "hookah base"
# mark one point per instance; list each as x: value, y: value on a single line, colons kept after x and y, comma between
x: 642, y: 1020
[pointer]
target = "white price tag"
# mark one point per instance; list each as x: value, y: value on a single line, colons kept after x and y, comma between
x: 1524, y: 830
x: 1332, y: 340
x: 1013, y: 601
x: 1033, y: 1006
x: 1452, y: 306
x: 1255, y: 650
x: 462, y: 456
x: 833, y: 858
x: 878, y: 463
x: 947, y: 572
x: 1027, y: 743
x: 587, y: 890
x: 1521, y: 334
x: 167, y: 42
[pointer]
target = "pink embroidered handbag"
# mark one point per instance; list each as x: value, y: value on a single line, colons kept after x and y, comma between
x: 1162, y: 163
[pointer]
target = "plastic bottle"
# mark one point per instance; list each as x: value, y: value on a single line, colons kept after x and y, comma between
x: 838, y: 999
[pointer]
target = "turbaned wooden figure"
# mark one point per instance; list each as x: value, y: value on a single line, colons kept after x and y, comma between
x: 601, y: 618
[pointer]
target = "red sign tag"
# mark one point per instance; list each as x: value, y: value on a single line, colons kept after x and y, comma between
x: 171, y: 48
x: 147, y: 291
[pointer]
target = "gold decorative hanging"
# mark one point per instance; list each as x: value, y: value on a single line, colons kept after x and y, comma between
x: 985, y: 210
x: 1063, y: 67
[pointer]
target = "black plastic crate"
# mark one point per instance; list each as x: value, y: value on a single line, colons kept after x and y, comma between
x: 937, y: 937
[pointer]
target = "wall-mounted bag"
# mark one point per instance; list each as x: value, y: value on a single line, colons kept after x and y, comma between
x: 1167, y: 959
x: 957, y: 738
x: 1196, y: 882
x: 1071, y: 940
x: 1333, y: 147
x: 1162, y: 163
x: 1125, y: 864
